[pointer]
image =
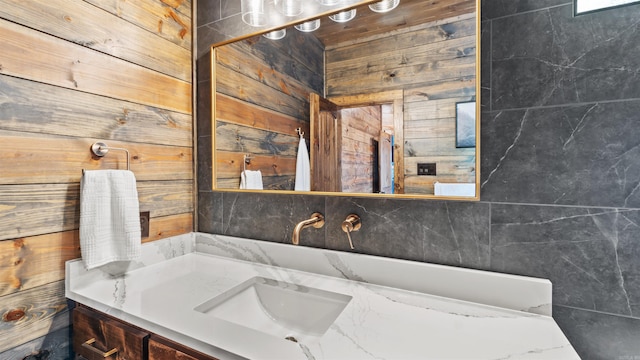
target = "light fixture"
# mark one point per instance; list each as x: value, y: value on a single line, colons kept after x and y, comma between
x: 384, y: 5
x: 289, y: 7
x: 253, y: 12
x: 343, y: 16
x: 329, y: 2
x: 276, y: 34
x: 309, y: 26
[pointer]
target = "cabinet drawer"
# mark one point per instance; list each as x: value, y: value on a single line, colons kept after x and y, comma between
x: 163, y: 349
x: 97, y: 336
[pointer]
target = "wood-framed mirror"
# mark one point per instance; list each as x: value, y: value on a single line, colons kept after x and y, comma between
x: 375, y: 99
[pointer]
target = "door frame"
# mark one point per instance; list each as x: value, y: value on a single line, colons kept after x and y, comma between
x: 395, y: 97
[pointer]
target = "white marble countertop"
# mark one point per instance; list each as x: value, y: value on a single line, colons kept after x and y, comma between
x: 160, y: 292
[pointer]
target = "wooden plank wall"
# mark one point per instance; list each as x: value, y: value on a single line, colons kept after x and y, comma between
x: 262, y: 96
x: 73, y: 72
x: 435, y: 66
x: 359, y: 127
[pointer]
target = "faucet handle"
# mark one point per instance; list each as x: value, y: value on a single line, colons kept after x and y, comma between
x: 351, y: 223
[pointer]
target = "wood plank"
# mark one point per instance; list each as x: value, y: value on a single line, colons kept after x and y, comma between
x: 268, y: 182
x: 400, y: 77
x: 32, y: 55
x: 234, y: 111
x: 236, y: 85
x: 443, y: 31
x: 53, y: 345
x: 29, y: 159
x: 33, y: 107
x: 167, y: 226
x: 230, y: 164
x: 29, y: 262
x: 247, y: 140
x: 154, y: 16
x: 429, y: 129
x: 398, y: 147
x: 43, y: 310
x: 363, y: 60
x: 268, y: 61
x: 30, y: 210
x: 434, y: 147
x: 432, y: 109
x: 86, y: 25
x: 162, y: 349
x: 448, y: 166
x: 464, y: 87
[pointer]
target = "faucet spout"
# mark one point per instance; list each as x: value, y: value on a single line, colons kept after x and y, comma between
x: 316, y: 220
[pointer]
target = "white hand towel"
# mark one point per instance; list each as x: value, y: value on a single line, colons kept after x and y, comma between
x: 251, y: 179
x: 303, y: 168
x: 109, y: 217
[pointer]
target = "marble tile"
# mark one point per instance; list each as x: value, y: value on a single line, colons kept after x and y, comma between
x: 203, y: 67
x: 562, y: 59
x: 230, y: 8
x: 271, y: 217
x: 574, y: 155
x: 598, y: 336
x: 208, y: 11
x: 492, y: 9
x: 210, y: 212
x: 485, y: 71
x: 589, y: 254
x: 205, y: 171
x: 452, y: 233
x: 204, y: 108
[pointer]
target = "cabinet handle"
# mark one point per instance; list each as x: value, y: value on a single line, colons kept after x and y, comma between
x: 89, y: 345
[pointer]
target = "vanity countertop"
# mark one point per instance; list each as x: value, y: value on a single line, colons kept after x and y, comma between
x: 161, y: 292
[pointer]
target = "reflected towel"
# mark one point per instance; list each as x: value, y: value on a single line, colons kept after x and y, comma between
x: 109, y: 217
x: 251, y: 179
x: 303, y: 168
x: 454, y: 189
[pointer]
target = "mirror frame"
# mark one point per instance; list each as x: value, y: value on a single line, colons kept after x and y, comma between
x: 323, y: 193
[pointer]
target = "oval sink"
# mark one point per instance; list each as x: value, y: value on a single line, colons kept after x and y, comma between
x: 278, y: 308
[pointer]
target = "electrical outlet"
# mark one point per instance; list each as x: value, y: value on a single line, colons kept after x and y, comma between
x: 144, y: 224
x: 427, y: 169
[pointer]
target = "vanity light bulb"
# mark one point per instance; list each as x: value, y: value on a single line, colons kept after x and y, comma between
x: 276, y: 34
x: 329, y: 2
x: 309, y: 26
x: 343, y: 16
x: 384, y: 6
x: 253, y: 12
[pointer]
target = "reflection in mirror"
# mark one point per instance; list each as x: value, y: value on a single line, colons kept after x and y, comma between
x: 375, y: 98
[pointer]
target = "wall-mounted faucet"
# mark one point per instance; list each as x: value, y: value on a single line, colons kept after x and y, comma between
x: 351, y: 223
x: 316, y: 220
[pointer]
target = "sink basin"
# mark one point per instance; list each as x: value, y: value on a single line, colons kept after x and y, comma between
x: 286, y: 310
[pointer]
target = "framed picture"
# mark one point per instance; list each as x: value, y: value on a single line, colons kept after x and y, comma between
x: 587, y: 6
x: 466, y: 124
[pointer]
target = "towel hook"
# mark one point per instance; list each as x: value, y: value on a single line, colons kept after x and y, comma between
x: 101, y: 149
x: 300, y: 132
x: 247, y: 160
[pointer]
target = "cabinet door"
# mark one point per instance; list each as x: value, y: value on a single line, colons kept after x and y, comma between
x: 162, y: 349
x: 97, y: 336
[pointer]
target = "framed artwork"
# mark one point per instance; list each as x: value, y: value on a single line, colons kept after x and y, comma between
x: 466, y: 124
x: 587, y: 6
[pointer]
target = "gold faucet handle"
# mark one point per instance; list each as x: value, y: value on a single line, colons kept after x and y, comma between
x: 351, y: 223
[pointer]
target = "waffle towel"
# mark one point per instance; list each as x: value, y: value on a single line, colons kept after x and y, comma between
x: 251, y: 179
x: 303, y: 168
x: 109, y: 217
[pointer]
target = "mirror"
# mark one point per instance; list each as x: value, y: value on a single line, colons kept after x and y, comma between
x: 587, y: 6
x: 378, y: 100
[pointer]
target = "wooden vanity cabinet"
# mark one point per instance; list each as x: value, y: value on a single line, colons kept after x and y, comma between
x: 161, y: 349
x: 97, y: 336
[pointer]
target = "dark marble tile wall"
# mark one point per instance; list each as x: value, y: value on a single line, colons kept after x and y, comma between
x: 560, y: 175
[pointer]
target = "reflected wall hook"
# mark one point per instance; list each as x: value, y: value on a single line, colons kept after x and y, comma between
x: 101, y: 149
x: 300, y: 132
